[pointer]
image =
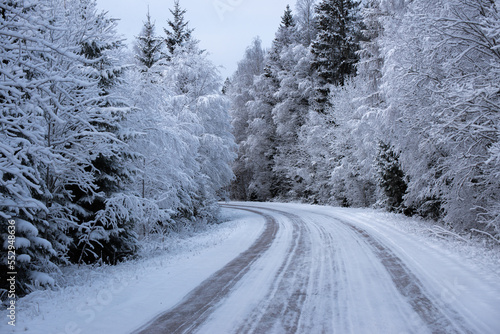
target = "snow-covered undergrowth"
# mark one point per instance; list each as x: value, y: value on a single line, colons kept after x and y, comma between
x: 117, y: 299
x: 476, y: 250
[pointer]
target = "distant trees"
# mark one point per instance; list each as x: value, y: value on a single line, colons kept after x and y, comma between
x: 253, y: 172
x: 391, y: 105
x: 96, y: 152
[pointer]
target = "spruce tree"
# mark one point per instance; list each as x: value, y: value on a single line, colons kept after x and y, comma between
x: 391, y: 178
x: 335, y: 46
x: 22, y: 147
x: 148, y: 45
x: 270, y: 181
x: 99, y: 237
x: 283, y: 60
x: 179, y: 32
x: 287, y: 20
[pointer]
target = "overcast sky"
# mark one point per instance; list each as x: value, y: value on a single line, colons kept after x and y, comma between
x: 224, y: 27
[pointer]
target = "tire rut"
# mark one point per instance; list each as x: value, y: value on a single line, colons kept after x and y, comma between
x: 410, y: 286
x: 197, y: 306
x: 282, y: 306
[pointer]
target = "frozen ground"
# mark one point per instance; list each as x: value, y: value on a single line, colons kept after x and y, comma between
x: 118, y: 299
x: 285, y: 268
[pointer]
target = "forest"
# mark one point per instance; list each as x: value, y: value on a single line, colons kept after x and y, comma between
x: 388, y: 104
x: 99, y: 146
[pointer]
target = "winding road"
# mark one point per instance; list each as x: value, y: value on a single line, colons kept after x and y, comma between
x: 326, y: 270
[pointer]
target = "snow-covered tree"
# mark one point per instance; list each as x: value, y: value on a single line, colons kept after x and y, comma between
x: 160, y: 143
x: 198, y: 102
x: 22, y: 150
x: 104, y: 235
x: 183, y: 132
x: 178, y: 32
x: 440, y: 81
x: 293, y: 96
x: 355, y: 179
x: 305, y: 18
x: 58, y: 93
x: 251, y: 66
x: 261, y: 139
x: 334, y: 48
x: 148, y: 46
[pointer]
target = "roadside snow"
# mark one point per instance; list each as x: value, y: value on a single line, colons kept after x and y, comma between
x: 453, y: 270
x: 119, y: 299
x: 476, y: 252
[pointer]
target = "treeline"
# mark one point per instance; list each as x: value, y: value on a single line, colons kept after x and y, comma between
x: 100, y: 147
x: 384, y: 103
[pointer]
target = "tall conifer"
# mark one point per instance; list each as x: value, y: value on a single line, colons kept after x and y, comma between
x: 334, y: 49
x: 148, y: 45
x: 178, y: 32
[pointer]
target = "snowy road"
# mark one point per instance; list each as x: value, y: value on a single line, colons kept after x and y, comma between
x: 327, y: 270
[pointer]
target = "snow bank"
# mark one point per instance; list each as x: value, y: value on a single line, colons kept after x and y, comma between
x: 118, y: 299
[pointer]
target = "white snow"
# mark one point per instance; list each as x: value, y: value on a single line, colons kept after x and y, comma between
x: 459, y: 277
x: 118, y: 299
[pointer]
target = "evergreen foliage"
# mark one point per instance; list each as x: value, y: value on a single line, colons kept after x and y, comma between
x: 148, y: 46
x: 89, y: 162
x: 178, y: 32
x: 420, y: 77
x: 334, y: 48
x: 391, y: 178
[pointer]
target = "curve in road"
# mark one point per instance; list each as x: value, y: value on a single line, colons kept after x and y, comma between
x: 322, y: 274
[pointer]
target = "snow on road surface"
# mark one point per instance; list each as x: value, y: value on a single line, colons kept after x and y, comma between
x: 329, y: 271
x: 292, y: 268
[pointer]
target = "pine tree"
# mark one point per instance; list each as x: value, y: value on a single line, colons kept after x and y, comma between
x: 179, y: 32
x: 391, y: 178
x: 335, y: 46
x: 148, y: 45
x: 102, y: 235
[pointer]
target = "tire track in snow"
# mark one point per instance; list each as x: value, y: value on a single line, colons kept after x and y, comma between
x: 281, y: 309
x: 405, y: 281
x: 197, y: 306
x: 324, y: 272
x: 409, y: 286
